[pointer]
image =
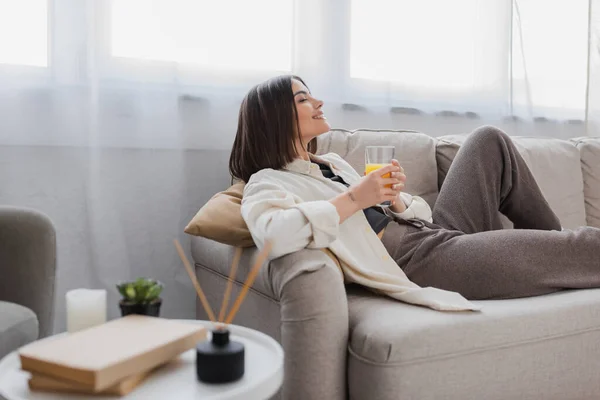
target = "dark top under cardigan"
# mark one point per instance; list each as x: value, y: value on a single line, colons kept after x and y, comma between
x: 375, y: 216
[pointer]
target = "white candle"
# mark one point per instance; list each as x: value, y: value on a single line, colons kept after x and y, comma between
x: 85, y: 308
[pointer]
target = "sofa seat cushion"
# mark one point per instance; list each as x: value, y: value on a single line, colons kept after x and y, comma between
x: 555, y: 165
x: 18, y: 326
x: 519, y: 348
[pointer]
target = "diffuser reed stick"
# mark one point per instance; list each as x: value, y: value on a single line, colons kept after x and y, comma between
x: 199, y: 291
x: 260, y: 259
x: 262, y: 256
x: 232, y: 272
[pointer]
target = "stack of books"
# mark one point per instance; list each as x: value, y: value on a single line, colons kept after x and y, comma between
x: 111, y: 359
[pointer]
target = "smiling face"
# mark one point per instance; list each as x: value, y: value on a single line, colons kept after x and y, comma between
x: 311, y: 120
x: 277, y: 123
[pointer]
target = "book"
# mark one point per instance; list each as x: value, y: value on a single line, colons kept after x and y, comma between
x: 49, y: 384
x: 101, y: 356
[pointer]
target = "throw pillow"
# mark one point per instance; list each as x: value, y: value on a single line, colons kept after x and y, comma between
x: 220, y: 219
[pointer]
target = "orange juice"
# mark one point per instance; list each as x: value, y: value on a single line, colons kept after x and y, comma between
x: 373, y: 167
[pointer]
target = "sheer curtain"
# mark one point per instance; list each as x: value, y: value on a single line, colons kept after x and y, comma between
x: 521, y: 59
x: 116, y: 116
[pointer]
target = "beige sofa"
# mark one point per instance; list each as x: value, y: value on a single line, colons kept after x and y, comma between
x: 344, y: 342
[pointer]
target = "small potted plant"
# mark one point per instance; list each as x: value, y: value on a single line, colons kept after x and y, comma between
x: 141, y: 296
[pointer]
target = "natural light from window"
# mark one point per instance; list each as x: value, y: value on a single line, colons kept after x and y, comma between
x: 531, y: 51
x: 24, y: 32
x: 224, y: 34
x: 426, y: 44
x: 550, y: 52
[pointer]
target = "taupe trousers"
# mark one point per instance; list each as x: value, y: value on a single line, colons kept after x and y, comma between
x: 467, y: 251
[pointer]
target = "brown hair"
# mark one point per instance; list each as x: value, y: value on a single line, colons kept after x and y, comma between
x: 267, y: 126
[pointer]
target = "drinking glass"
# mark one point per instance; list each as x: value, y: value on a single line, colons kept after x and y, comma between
x: 377, y: 157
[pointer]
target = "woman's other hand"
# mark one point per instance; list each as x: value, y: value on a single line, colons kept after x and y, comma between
x: 398, y: 205
x: 374, y: 188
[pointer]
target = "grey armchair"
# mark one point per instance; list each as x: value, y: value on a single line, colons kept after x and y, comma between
x: 27, y: 276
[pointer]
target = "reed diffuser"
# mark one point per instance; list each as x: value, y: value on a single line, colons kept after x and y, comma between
x: 220, y: 359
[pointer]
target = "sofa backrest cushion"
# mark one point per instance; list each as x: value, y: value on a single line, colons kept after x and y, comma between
x: 555, y: 165
x: 589, y: 151
x: 415, y: 151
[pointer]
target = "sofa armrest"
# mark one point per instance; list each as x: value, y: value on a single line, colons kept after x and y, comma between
x: 314, y: 324
x: 309, y: 287
x: 28, y: 262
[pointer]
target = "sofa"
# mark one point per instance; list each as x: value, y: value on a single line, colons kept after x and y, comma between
x: 27, y: 277
x: 342, y: 341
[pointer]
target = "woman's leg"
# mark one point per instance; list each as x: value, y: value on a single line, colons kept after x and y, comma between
x: 473, y: 255
x: 489, y: 175
x: 505, y: 263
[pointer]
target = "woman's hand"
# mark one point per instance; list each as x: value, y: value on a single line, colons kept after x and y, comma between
x: 398, y: 205
x: 374, y: 189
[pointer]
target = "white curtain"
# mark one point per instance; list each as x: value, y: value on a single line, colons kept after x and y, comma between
x: 531, y: 60
x: 134, y: 102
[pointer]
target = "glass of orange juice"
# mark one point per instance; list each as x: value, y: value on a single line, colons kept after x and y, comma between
x: 377, y: 157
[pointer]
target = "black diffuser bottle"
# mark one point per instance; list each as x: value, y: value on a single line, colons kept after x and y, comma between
x: 219, y: 360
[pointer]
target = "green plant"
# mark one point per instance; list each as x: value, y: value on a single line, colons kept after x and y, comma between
x: 140, y: 291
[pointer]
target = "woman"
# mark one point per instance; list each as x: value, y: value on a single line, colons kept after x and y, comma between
x: 298, y: 200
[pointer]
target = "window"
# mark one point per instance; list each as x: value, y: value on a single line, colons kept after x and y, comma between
x: 436, y: 44
x: 24, y: 32
x: 224, y: 34
x: 550, y: 53
x: 530, y: 55
x: 518, y: 58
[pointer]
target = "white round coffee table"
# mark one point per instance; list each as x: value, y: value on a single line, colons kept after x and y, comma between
x: 177, y: 380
